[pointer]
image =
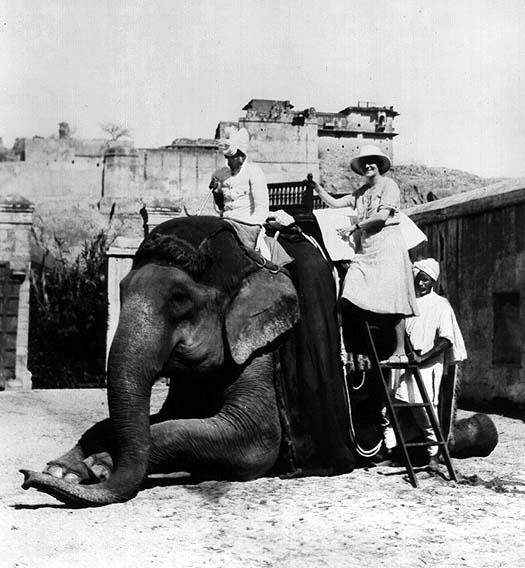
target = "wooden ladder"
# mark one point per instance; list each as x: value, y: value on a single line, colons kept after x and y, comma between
x: 426, y: 404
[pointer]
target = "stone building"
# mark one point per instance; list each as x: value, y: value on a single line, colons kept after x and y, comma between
x: 284, y: 143
x: 287, y: 144
x: 342, y: 134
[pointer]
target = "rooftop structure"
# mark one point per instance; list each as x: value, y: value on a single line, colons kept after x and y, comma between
x: 267, y: 108
x: 364, y: 118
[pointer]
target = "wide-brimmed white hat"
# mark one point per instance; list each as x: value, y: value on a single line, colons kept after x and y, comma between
x: 367, y: 152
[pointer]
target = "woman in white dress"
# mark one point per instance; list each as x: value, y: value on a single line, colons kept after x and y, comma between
x: 379, y: 278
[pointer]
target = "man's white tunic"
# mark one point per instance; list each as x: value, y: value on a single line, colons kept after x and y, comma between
x: 436, y: 319
x: 245, y: 193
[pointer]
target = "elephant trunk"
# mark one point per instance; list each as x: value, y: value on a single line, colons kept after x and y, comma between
x: 135, y: 360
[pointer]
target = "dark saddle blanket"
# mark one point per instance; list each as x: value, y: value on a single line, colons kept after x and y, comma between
x: 312, y: 389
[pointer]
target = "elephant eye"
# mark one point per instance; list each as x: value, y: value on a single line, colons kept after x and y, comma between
x: 180, y: 304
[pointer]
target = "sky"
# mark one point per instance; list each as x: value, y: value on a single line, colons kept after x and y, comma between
x: 454, y: 70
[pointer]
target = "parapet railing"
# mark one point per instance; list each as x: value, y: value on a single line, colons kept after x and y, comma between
x: 294, y: 197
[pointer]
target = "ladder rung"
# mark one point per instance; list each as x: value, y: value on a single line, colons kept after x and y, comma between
x: 411, y: 404
x: 412, y: 444
x: 398, y: 365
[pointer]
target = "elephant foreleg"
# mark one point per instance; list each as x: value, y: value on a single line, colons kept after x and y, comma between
x: 212, y: 448
x: 241, y: 441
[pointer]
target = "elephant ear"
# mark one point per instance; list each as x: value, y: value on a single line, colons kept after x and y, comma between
x: 265, y: 307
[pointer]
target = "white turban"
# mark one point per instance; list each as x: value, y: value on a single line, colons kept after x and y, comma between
x: 237, y: 140
x: 429, y: 266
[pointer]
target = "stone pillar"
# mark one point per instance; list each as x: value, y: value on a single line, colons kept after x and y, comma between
x: 120, y: 258
x: 16, y: 217
x: 123, y: 175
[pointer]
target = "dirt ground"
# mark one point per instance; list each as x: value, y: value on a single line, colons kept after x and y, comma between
x: 369, y: 518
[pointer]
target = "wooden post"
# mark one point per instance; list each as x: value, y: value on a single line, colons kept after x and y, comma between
x: 308, y: 195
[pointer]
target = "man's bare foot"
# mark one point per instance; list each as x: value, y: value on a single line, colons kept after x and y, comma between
x: 396, y: 359
x: 433, y: 464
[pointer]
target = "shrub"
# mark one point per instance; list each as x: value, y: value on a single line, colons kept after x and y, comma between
x: 68, y: 318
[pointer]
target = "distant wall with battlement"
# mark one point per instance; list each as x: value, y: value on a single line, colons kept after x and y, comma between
x: 70, y: 150
x: 43, y: 181
x: 286, y: 143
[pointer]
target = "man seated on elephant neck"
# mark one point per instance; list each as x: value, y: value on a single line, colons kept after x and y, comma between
x: 239, y: 189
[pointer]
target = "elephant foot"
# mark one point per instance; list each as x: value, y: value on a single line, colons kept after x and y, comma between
x: 73, y: 491
x: 59, y: 479
x: 62, y: 490
x: 97, y: 467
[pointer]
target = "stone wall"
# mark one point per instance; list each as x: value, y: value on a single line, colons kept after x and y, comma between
x: 46, y: 150
x: 181, y: 173
x: 41, y: 181
x: 477, y: 237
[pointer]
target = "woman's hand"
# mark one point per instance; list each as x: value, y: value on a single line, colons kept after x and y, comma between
x: 345, y: 232
x: 317, y: 188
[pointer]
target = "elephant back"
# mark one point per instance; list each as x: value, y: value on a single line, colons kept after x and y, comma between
x: 207, y: 248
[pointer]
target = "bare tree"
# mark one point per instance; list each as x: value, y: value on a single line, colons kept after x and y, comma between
x: 115, y: 131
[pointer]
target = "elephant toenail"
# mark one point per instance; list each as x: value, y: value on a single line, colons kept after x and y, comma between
x: 101, y: 471
x: 55, y: 471
x: 72, y: 477
x: 89, y: 461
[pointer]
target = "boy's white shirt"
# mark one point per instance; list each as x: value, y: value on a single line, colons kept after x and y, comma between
x: 436, y: 319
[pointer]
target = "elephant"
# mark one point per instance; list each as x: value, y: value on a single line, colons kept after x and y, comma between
x: 252, y: 351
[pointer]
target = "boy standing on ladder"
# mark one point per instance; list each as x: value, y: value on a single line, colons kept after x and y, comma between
x: 437, y: 342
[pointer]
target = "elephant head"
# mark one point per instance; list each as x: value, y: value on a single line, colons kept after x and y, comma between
x: 195, y: 301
